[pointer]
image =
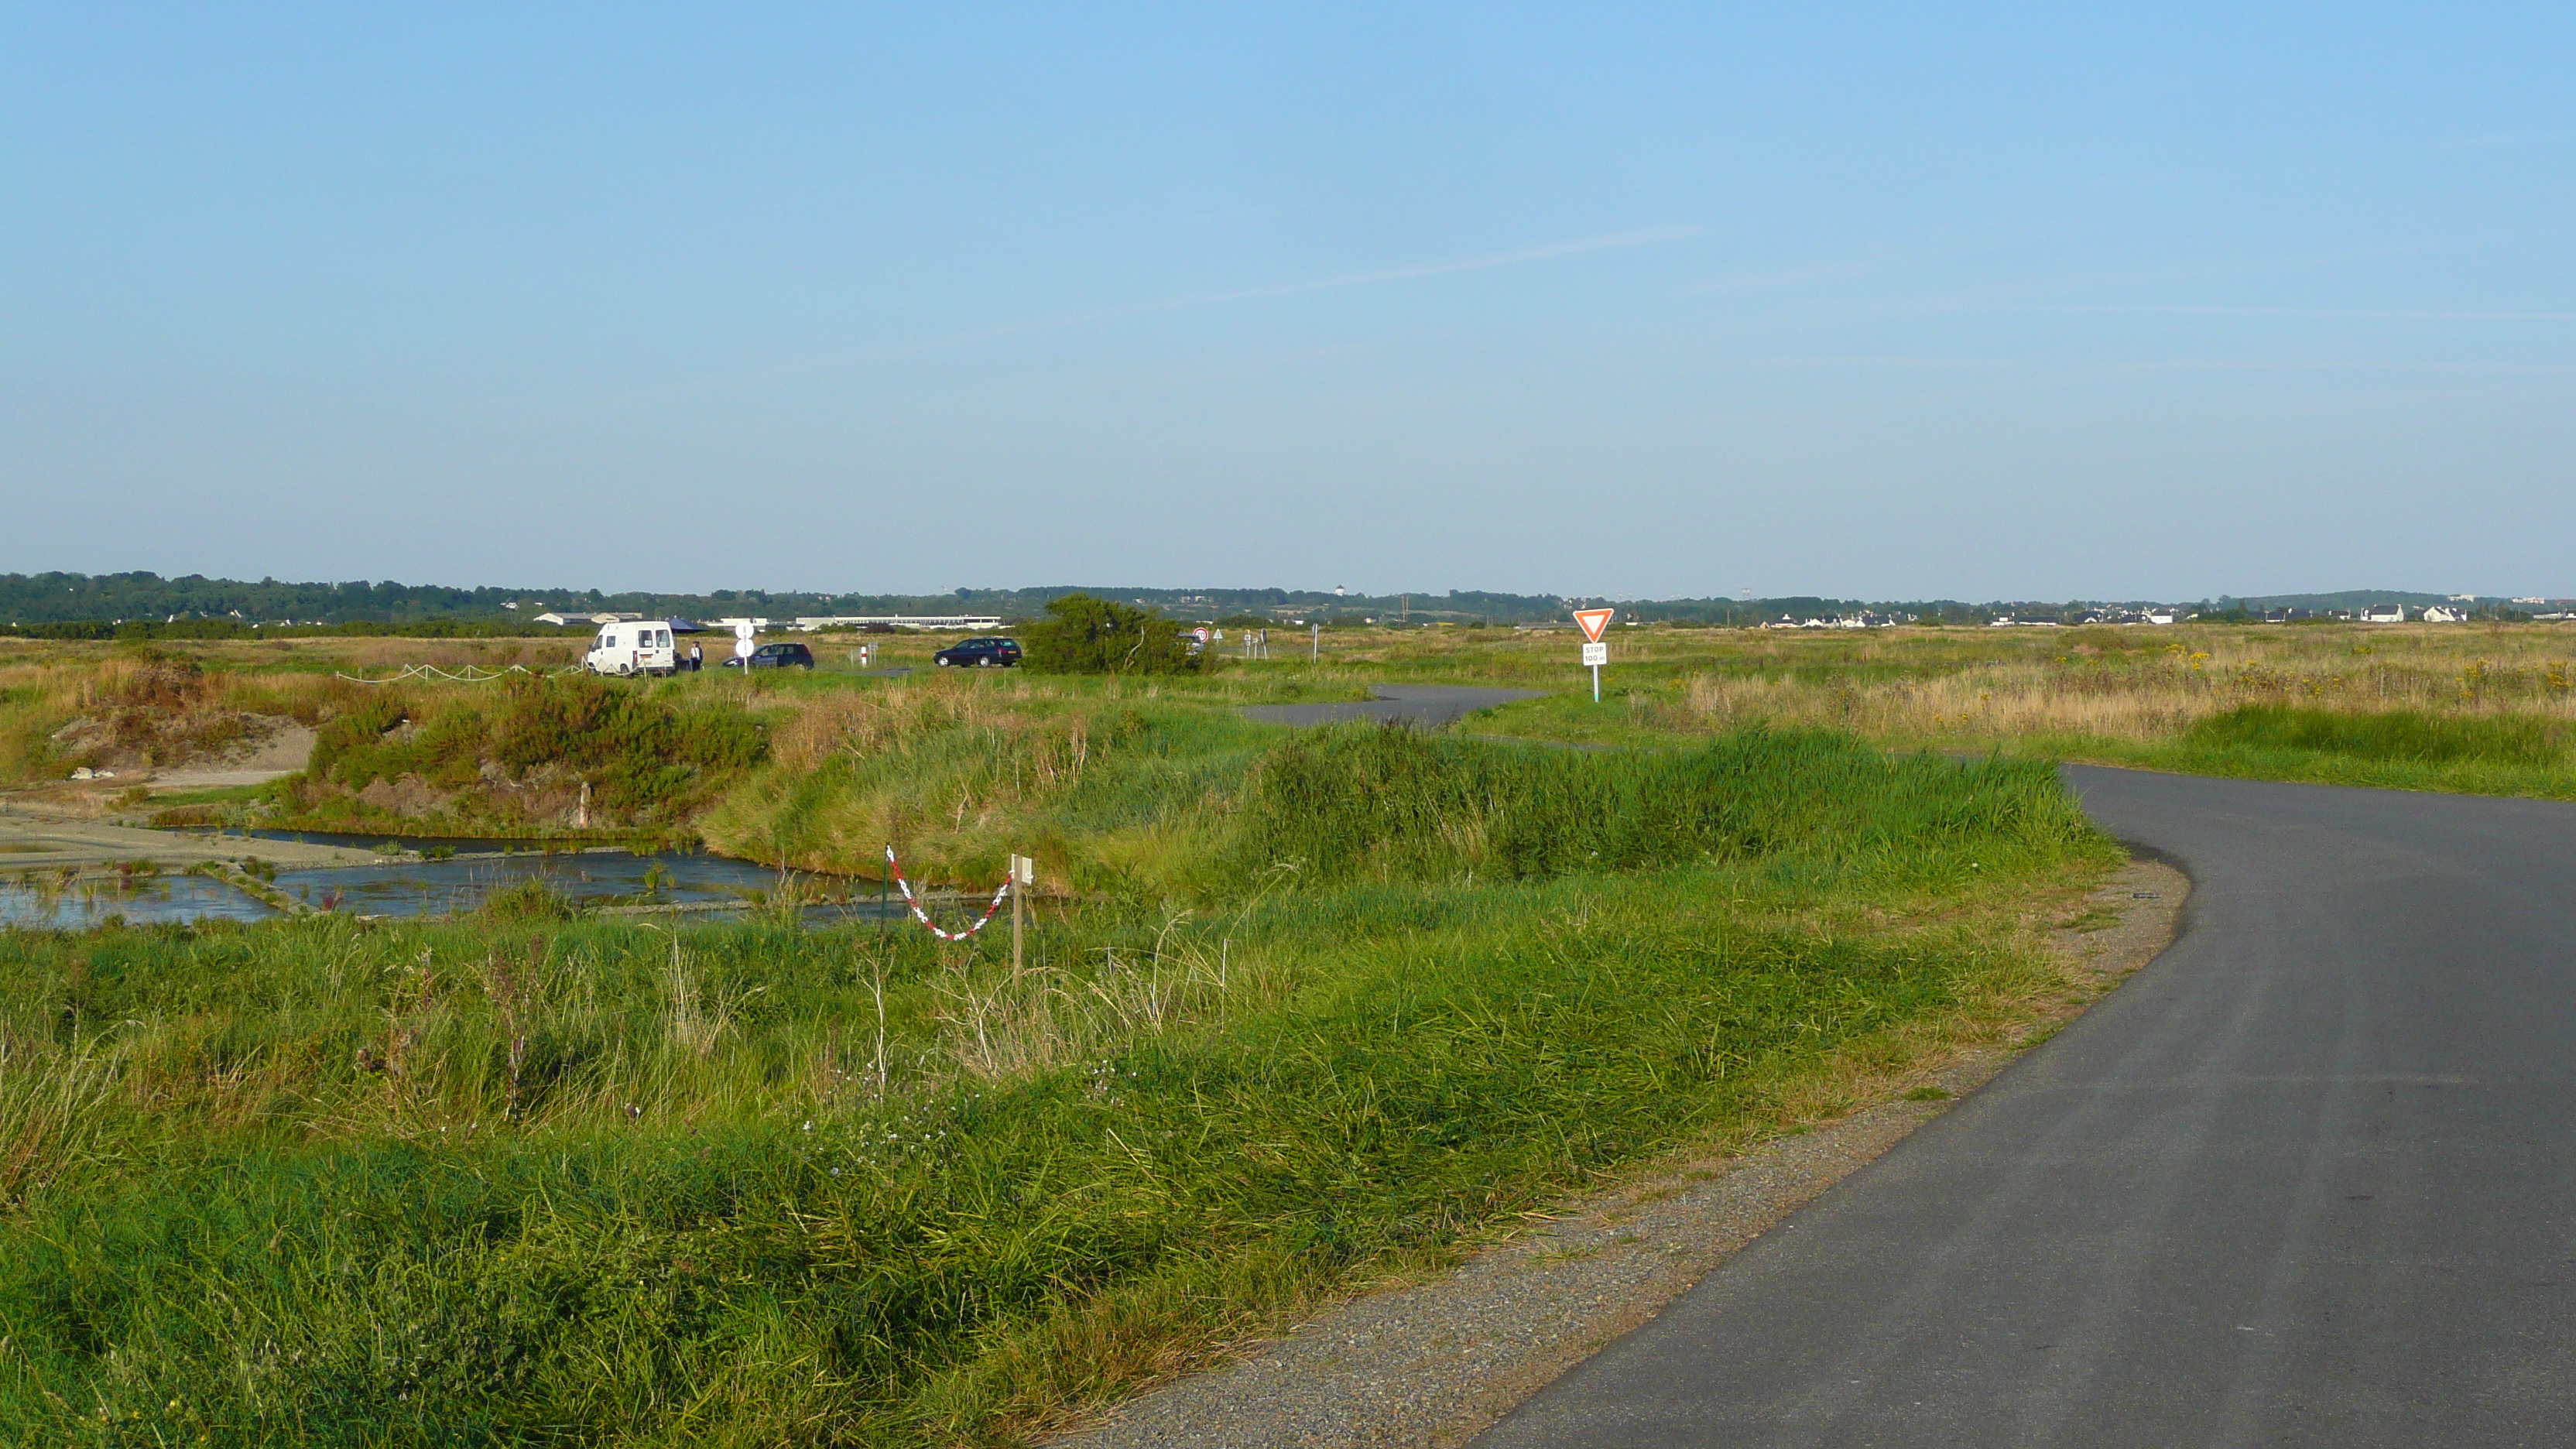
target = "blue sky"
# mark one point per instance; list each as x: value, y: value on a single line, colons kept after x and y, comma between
x: 1975, y: 302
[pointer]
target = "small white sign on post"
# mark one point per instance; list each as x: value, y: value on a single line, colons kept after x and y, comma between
x: 1022, y: 873
x: 1595, y: 653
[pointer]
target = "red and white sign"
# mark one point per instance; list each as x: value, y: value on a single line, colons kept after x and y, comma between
x: 1593, y: 622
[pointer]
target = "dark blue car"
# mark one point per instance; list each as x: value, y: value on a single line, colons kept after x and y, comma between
x: 993, y: 653
x: 775, y: 656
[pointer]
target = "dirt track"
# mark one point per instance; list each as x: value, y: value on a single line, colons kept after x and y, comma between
x: 30, y: 842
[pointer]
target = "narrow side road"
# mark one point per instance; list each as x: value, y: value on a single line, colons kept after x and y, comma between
x: 2309, y: 1179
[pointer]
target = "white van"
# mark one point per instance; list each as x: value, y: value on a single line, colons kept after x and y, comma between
x: 633, y: 646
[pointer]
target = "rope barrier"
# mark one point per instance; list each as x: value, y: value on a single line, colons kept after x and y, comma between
x: 472, y: 675
x: 923, y: 916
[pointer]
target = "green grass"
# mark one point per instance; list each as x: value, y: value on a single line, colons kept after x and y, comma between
x: 2316, y: 768
x: 214, y: 795
x: 2515, y: 754
x: 546, y: 1181
x: 2393, y: 749
x: 2474, y: 754
x: 1398, y: 804
x: 2397, y: 736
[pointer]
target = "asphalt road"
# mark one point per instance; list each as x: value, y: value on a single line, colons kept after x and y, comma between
x: 1427, y: 705
x: 2308, y: 1179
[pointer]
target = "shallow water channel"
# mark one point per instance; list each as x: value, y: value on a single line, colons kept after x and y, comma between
x: 704, y: 885
x: 46, y: 902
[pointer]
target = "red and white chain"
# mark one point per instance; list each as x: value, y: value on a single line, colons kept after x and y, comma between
x: 918, y: 914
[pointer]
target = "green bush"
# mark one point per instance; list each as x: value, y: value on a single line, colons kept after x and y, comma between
x: 641, y: 752
x: 351, y: 743
x: 1085, y: 635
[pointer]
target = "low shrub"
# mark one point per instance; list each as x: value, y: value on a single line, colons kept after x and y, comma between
x: 1085, y: 635
x: 530, y: 900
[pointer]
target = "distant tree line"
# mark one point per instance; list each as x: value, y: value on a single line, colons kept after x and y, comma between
x: 236, y: 629
x: 115, y: 601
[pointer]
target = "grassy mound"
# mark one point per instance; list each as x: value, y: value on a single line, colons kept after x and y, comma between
x: 139, y: 709
x: 519, y: 758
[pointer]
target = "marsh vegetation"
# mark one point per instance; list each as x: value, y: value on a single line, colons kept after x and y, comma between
x: 1299, y: 1011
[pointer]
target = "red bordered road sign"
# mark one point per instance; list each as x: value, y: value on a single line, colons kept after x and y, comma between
x: 1593, y: 622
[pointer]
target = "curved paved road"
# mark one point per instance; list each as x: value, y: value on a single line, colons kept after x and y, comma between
x: 1427, y: 705
x: 2309, y: 1179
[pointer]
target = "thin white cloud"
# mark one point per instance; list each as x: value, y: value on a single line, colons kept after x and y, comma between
x: 2061, y: 365
x: 1765, y: 281
x: 2358, y: 314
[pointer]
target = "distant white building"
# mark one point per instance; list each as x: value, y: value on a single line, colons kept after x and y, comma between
x: 2382, y: 614
x: 2445, y: 614
x: 811, y: 623
x: 563, y: 619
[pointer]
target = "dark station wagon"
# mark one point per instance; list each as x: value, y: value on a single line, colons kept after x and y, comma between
x: 775, y: 656
x: 993, y: 653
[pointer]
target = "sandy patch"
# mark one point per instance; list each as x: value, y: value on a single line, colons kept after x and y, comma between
x: 281, y: 747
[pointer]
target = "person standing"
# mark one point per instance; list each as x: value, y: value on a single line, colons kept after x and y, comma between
x: 697, y: 657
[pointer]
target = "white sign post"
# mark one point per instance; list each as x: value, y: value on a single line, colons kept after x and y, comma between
x: 1595, y: 653
x: 1024, y: 874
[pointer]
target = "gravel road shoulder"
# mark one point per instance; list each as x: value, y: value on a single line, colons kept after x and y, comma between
x: 1434, y: 1363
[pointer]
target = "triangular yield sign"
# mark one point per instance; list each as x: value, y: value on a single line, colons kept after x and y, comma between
x: 1593, y: 622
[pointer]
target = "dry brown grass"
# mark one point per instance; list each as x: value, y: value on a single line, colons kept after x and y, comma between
x: 1979, y: 686
x: 2155, y: 693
